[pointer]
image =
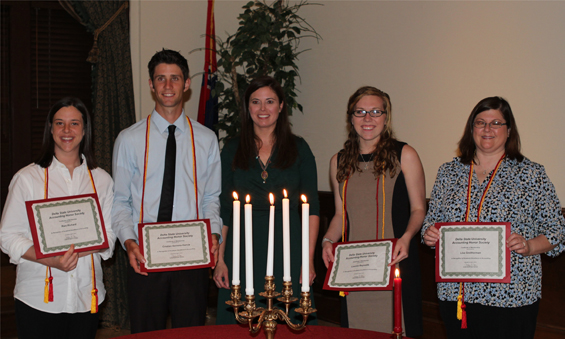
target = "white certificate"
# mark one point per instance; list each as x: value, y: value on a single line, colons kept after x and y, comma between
x: 178, y: 245
x: 473, y: 252
x: 58, y: 223
x: 361, y: 265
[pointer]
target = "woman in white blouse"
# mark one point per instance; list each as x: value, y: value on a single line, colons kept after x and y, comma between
x: 66, y: 167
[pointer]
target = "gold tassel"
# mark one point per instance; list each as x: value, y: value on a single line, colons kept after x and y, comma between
x: 94, y: 291
x: 46, y: 290
x: 94, y: 301
x: 459, y: 303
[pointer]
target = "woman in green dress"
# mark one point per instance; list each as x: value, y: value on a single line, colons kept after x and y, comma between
x: 266, y: 158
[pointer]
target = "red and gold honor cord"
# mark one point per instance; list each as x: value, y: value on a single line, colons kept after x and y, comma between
x: 48, y: 295
x: 461, y: 314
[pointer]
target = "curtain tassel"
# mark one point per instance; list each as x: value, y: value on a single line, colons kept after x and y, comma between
x: 93, y: 54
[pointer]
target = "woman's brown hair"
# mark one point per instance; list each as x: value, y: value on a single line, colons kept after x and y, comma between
x: 512, y: 147
x: 384, y: 155
x: 285, y: 143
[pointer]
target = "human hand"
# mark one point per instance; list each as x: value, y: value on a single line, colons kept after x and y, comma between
x: 431, y: 236
x: 400, y: 250
x: 327, y: 253
x: 221, y: 275
x: 312, y: 272
x: 215, y: 248
x: 518, y: 244
x: 66, y: 262
x: 134, y: 256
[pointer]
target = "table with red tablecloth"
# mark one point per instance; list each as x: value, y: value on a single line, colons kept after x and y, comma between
x: 242, y: 332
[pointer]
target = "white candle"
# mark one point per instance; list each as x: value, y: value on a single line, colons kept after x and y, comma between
x: 271, y: 243
x: 236, y: 241
x: 286, y: 238
x: 248, y: 248
x: 305, y: 245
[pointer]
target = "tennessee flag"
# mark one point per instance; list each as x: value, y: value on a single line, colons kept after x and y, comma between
x: 208, y: 106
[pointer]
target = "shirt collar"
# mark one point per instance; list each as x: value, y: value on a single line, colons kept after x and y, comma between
x: 57, y: 164
x: 163, y: 125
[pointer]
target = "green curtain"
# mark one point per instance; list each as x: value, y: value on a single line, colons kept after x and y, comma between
x: 113, y: 110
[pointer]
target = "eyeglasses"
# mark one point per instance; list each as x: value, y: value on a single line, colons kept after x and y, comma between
x: 375, y: 113
x: 495, y: 124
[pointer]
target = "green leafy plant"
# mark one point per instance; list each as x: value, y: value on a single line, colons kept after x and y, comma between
x: 266, y: 43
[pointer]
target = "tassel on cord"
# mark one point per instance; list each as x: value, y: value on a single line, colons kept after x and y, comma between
x: 94, y: 291
x: 343, y: 224
x: 46, y: 289
x: 50, y: 287
x: 94, y: 301
x: 459, y: 303
x: 464, y: 318
x: 463, y: 311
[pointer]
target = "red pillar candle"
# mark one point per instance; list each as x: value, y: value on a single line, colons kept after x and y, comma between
x: 397, y: 302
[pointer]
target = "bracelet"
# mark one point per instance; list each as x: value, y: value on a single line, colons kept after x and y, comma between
x: 326, y: 239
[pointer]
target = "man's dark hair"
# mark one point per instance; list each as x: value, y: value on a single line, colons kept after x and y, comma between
x: 167, y: 56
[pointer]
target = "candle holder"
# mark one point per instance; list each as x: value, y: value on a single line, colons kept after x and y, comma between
x: 267, y: 317
x: 397, y: 335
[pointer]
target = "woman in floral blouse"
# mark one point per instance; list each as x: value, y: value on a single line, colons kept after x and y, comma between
x: 504, y: 186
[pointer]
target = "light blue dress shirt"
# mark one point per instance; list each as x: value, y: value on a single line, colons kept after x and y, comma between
x: 127, y: 169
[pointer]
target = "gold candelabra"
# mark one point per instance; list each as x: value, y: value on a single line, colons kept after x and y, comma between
x: 397, y: 335
x: 267, y: 317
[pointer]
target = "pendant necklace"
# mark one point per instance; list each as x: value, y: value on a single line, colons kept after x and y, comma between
x: 366, y: 161
x: 264, y: 173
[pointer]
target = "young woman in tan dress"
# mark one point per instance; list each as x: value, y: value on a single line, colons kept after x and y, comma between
x: 380, y: 182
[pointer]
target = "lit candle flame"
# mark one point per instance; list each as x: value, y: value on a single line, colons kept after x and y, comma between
x: 397, y: 273
x: 284, y: 193
x: 272, y: 198
x: 235, y: 197
x: 247, y: 199
x: 303, y: 197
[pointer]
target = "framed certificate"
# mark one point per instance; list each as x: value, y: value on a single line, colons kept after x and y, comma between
x: 361, y: 266
x: 473, y: 252
x: 176, y: 245
x: 58, y: 223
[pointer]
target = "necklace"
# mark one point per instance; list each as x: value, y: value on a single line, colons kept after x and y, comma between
x: 365, y: 160
x: 264, y: 173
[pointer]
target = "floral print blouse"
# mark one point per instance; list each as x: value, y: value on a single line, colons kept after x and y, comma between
x: 522, y: 194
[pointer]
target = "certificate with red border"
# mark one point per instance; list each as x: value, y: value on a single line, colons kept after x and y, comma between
x: 361, y: 266
x: 58, y: 223
x: 175, y: 245
x: 473, y: 252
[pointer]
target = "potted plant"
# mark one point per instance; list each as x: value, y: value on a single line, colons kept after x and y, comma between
x: 266, y: 43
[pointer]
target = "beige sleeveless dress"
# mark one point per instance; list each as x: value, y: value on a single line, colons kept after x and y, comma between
x: 370, y: 310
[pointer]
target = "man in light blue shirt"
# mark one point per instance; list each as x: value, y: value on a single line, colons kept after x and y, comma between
x: 180, y: 294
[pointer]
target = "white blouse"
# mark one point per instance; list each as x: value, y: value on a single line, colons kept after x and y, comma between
x: 71, y: 290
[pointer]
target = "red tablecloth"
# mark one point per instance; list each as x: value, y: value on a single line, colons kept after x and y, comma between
x: 242, y: 332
